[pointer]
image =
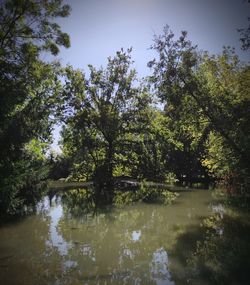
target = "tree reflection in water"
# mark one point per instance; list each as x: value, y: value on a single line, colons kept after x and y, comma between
x: 217, y: 252
x: 129, y: 245
x: 71, y: 242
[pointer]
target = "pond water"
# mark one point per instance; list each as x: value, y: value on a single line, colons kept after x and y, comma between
x: 132, y: 245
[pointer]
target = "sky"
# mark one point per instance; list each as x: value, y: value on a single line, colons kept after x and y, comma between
x: 99, y: 28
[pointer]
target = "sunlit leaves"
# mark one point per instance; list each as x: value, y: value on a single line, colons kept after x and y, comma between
x: 29, y: 93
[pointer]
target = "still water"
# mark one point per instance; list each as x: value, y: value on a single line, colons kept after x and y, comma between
x: 132, y: 245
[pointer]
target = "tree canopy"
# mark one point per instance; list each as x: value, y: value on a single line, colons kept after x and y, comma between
x: 113, y: 122
x: 27, y: 89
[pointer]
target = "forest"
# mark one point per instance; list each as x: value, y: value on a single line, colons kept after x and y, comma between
x: 188, y: 122
x: 132, y: 139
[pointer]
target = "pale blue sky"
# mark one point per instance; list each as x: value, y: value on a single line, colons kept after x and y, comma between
x: 98, y: 28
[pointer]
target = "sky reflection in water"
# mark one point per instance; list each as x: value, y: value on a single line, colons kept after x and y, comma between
x: 126, y: 246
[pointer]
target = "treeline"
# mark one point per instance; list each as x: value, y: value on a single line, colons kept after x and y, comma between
x: 188, y: 121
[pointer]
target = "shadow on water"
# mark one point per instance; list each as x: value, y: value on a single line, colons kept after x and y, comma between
x: 72, y: 241
x: 81, y: 202
x: 217, y: 252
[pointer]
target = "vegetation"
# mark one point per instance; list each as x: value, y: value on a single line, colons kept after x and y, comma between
x: 28, y: 95
x: 212, y: 93
x: 187, y: 124
x: 113, y: 126
x: 217, y: 251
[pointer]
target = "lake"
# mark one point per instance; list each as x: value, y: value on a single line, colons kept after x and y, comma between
x: 133, y: 245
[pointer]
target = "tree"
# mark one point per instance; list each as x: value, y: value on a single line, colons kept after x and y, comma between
x: 203, y: 92
x: 173, y: 79
x: 105, y: 120
x: 245, y: 35
x: 228, y: 83
x: 28, y: 87
x: 154, y: 147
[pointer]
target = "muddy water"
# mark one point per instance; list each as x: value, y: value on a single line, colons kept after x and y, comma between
x: 133, y: 245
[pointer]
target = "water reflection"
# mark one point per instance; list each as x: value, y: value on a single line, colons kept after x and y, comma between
x: 56, y: 240
x: 159, y: 268
x: 219, y: 208
x: 136, y: 235
x: 119, y: 246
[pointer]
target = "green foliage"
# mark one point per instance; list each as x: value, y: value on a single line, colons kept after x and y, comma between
x: 156, y: 142
x: 147, y: 194
x: 59, y: 166
x: 221, y: 255
x: 144, y: 193
x: 170, y: 178
x: 79, y: 201
x: 173, y: 77
x: 27, y: 28
x: 111, y: 124
x: 206, y: 104
x: 109, y: 115
x: 29, y: 92
x: 245, y: 34
x: 25, y: 181
x: 124, y: 198
x: 155, y: 195
x: 114, y: 129
x: 228, y: 150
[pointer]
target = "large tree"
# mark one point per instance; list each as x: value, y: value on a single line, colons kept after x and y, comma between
x: 203, y: 93
x: 106, y: 115
x: 28, y: 86
x: 174, y: 82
